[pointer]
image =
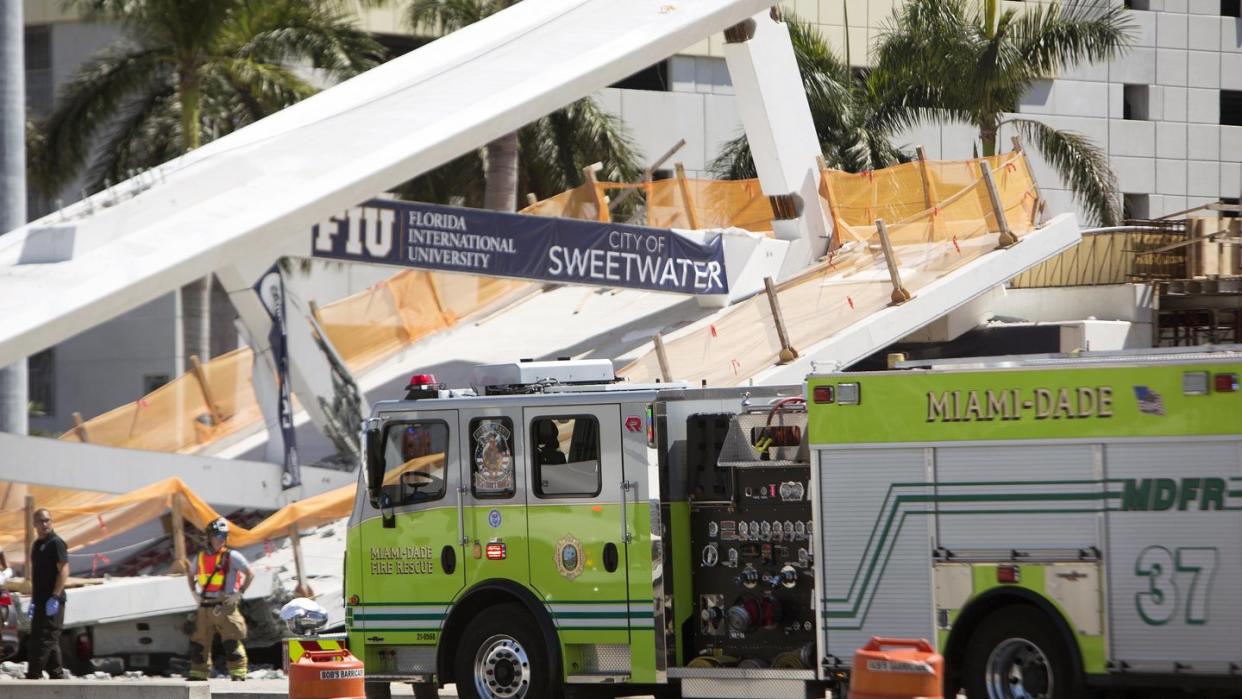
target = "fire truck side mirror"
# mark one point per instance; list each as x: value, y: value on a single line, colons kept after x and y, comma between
x: 373, y: 463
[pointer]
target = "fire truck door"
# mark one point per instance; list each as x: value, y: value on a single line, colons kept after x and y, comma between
x: 578, y: 527
x: 493, y: 445
x: 411, y: 546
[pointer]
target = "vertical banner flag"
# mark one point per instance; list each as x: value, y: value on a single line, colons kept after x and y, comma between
x: 561, y: 250
x: 271, y: 291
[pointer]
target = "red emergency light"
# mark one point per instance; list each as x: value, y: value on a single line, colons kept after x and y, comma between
x: 822, y: 394
x: 495, y: 551
x: 422, y: 380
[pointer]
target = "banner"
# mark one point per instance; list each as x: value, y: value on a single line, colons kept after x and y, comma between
x: 271, y: 291
x: 566, y: 251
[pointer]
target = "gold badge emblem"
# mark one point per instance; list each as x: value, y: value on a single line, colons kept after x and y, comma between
x: 569, y: 557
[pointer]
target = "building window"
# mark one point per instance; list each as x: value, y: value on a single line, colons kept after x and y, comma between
x: 1138, y: 4
x: 41, y: 382
x: 1231, y: 107
x: 1229, y: 200
x: 652, y: 78
x: 1136, y: 207
x: 1135, y: 99
x: 38, y: 51
x: 1231, y: 8
x: 151, y: 382
x: 566, y: 456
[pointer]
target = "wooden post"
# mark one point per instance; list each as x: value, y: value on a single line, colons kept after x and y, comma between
x: 788, y: 353
x: 531, y: 199
x: 79, y: 428
x: 662, y: 356
x: 687, y: 200
x: 200, y: 374
x: 30, y: 536
x: 647, y: 175
x: 929, y: 197
x: 180, y: 564
x: 295, y: 540
x: 1007, y: 237
x: 900, y: 294
x: 1038, y: 206
x: 601, y: 201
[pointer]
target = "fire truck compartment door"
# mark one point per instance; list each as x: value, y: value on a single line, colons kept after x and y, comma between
x: 578, y: 549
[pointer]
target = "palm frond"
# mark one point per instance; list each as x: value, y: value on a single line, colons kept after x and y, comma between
x: 450, y: 15
x: 287, y: 31
x: 1082, y: 165
x: 1056, y: 36
x: 85, y: 104
x: 146, y: 132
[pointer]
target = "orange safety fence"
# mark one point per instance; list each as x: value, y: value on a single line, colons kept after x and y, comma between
x: 851, y: 283
x: 200, y: 407
x: 87, y: 518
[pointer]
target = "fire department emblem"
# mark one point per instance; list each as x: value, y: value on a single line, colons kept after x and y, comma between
x: 493, y: 459
x: 569, y: 557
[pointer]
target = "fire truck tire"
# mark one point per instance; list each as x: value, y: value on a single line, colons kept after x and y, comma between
x: 1017, y: 652
x: 378, y: 690
x: 502, y: 655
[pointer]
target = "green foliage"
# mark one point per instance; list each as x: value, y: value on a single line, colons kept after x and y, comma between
x: 971, y: 63
x: 552, y: 150
x: 188, y: 70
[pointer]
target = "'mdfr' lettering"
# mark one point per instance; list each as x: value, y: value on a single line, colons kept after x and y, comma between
x: 1159, y: 494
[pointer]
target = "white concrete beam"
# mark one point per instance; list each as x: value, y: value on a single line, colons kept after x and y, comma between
x: 932, y: 301
x: 221, y: 482
x: 771, y: 101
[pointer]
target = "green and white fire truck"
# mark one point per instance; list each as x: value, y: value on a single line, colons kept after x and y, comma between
x: 1054, y: 524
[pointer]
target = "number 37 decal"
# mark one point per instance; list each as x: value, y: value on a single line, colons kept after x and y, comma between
x: 1181, y: 578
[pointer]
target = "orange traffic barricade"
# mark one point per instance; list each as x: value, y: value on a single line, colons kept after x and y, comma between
x: 327, y: 674
x: 897, y: 668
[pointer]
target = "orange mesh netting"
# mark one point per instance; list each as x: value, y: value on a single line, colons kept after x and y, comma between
x: 853, y: 281
x: 83, y: 518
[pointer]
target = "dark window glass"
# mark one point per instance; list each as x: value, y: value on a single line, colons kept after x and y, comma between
x: 1231, y: 107
x: 1231, y: 8
x: 565, y: 454
x: 491, y: 457
x: 41, y: 382
x: 414, y: 454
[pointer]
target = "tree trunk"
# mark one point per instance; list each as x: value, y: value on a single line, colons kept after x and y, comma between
x: 14, y: 396
x: 195, y: 296
x: 987, y: 139
x: 501, y: 171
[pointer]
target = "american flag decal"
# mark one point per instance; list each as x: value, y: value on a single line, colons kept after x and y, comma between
x: 1149, y: 401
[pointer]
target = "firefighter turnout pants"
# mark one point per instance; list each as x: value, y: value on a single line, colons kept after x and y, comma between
x: 226, y: 620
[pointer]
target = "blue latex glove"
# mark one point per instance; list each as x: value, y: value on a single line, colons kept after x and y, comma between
x: 53, y: 606
x: 30, y: 611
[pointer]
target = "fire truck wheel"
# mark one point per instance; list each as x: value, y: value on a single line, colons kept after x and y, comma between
x: 1016, y: 653
x: 503, y: 656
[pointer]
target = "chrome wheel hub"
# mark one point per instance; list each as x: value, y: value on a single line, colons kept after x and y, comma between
x: 501, y: 669
x: 1018, y: 669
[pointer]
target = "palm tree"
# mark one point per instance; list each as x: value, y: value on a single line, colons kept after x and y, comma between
x: 188, y: 70
x: 966, y: 61
x: 544, y: 157
x: 854, y: 117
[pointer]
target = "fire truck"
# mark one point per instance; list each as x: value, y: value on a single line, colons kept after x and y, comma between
x: 1053, y: 524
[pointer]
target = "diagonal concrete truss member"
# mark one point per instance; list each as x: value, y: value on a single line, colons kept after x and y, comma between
x: 249, y: 193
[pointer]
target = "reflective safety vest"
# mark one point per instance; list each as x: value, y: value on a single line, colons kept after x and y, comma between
x: 213, y: 570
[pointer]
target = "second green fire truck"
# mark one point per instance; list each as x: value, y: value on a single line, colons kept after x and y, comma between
x: 1052, y: 524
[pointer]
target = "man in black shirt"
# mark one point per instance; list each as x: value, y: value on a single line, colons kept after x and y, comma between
x: 49, y: 566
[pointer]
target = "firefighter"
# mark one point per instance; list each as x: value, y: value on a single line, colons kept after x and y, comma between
x: 218, y: 577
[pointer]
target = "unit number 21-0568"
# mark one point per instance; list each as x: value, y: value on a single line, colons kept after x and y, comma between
x: 1180, y: 579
